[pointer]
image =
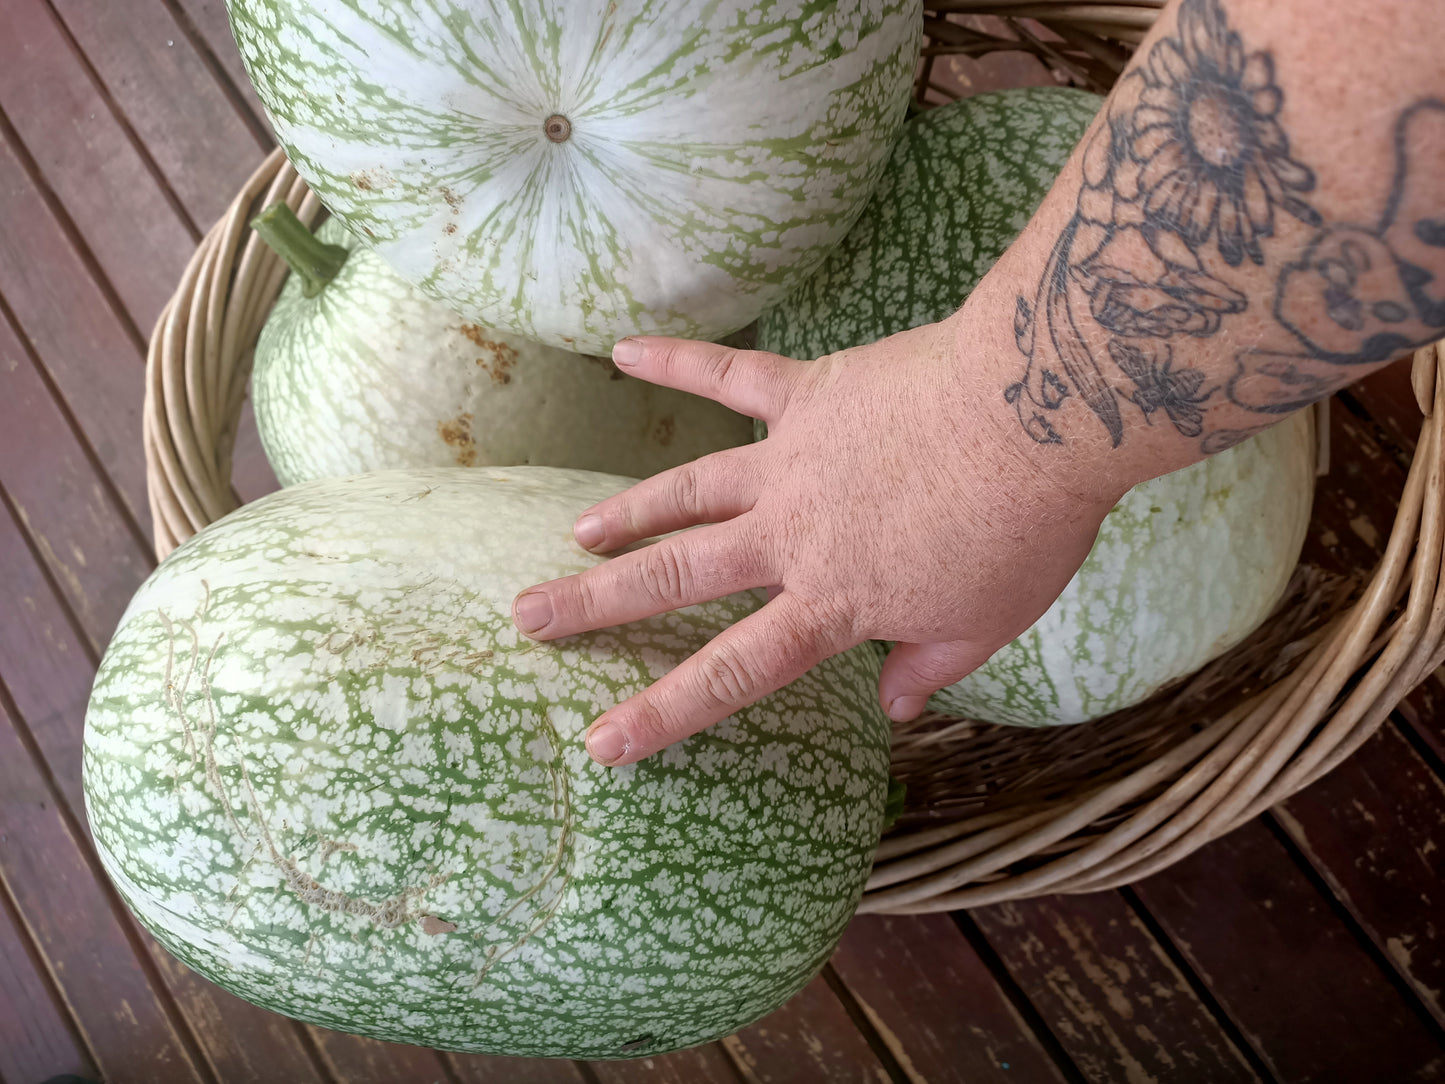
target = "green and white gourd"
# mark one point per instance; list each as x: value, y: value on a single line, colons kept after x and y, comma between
x: 323, y: 768
x: 1186, y: 565
x: 357, y: 370
x: 577, y: 172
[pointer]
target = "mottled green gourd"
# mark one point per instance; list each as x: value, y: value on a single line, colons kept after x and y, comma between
x: 324, y: 769
x: 581, y: 170
x: 357, y: 370
x: 1186, y: 565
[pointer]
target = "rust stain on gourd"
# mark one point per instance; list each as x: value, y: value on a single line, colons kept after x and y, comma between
x: 457, y: 433
x: 503, y: 357
x: 370, y: 180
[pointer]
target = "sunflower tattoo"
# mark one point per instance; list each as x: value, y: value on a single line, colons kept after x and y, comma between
x: 1193, y: 173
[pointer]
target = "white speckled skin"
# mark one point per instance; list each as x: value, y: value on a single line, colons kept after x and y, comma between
x: 325, y: 770
x: 371, y: 375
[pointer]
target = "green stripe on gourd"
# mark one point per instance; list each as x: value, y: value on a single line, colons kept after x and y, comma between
x: 368, y: 373
x: 1186, y: 565
x: 578, y: 172
x: 323, y: 768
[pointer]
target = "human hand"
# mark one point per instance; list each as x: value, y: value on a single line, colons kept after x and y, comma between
x: 895, y: 498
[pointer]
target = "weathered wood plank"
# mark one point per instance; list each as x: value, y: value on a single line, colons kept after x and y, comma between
x: 810, y: 1039
x: 1375, y: 829
x: 481, y: 1069
x: 1390, y: 400
x: 365, y: 1061
x: 89, y: 161
x: 935, y: 1003
x: 183, y: 117
x: 1115, y: 1000
x: 1424, y: 712
x: 38, y: 1039
x: 1355, y: 502
x: 703, y: 1063
x: 1287, y: 968
x: 49, y: 671
x: 96, y: 555
x: 213, y: 29
x: 88, y: 351
x: 59, y: 895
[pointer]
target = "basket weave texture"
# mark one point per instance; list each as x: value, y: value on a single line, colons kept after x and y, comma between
x: 994, y: 813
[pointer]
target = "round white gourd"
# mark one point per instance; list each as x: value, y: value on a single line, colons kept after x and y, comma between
x: 370, y: 374
x: 581, y: 170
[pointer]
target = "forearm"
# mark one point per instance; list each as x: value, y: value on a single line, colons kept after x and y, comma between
x: 1255, y: 219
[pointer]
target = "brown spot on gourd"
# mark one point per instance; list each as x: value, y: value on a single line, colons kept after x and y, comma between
x: 503, y: 357
x: 450, y: 227
x: 665, y: 430
x: 369, y: 180
x: 457, y: 433
x: 454, y: 201
x: 431, y: 925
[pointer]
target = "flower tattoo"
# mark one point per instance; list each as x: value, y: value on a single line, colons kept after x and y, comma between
x: 1197, y: 165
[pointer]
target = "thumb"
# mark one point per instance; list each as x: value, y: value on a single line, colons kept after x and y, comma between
x: 914, y: 672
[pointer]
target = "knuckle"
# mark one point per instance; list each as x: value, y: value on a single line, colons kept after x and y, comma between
x: 585, y: 600
x: 726, y: 678
x: 720, y: 367
x: 935, y: 669
x: 662, y: 576
x: 686, y: 490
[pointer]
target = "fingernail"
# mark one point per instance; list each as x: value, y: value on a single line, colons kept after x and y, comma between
x: 903, y: 708
x: 626, y: 353
x: 532, y: 611
x: 588, y: 531
x: 606, y: 743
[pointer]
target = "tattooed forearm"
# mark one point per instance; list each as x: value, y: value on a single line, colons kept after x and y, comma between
x: 1187, y: 180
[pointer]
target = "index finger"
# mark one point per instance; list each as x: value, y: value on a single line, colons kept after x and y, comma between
x: 741, y: 665
x: 752, y: 382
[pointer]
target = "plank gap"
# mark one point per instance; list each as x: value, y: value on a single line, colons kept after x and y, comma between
x: 876, y: 1042
x: 128, y: 928
x: 1201, y: 990
x: 77, y: 627
x: 1032, y: 1018
x: 123, y: 121
x: 1377, y: 954
x: 1418, y: 741
x: 43, y: 971
x: 313, y: 1052
x: 218, y: 72
x: 449, y: 1070
x: 11, y: 137
x: 103, y: 480
x: 1401, y: 455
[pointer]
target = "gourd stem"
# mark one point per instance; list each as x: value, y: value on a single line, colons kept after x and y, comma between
x: 315, y: 261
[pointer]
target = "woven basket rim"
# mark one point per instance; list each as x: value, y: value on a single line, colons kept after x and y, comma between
x: 1219, y: 771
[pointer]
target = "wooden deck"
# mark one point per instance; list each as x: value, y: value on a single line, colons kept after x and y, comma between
x: 1308, y: 946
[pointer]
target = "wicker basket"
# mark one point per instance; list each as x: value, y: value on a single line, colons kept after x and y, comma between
x: 995, y: 813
